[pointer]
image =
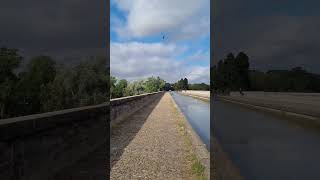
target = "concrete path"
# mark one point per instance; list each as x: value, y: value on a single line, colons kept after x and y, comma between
x: 149, y: 145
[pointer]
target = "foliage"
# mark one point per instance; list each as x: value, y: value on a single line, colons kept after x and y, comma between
x: 294, y: 80
x: 82, y: 85
x: 153, y: 84
x: 201, y: 86
x: 9, y: 61
x: 45, y: 86
x: 124, y: 88
x: 182, y: 84
x: 233, y: 73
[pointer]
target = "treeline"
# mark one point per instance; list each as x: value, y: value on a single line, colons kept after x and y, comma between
x: 183, y: 84
x: 122, y: 88
x: 231, y: 73
x: 294, y: 80
x: 43, y: 85
x: 199, y: 87
x: 234, y: 74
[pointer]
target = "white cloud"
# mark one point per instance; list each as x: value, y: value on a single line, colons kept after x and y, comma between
x: 199, y: 74
x: 180, y: 19
x: 200, y: 55
x: 136, y: 60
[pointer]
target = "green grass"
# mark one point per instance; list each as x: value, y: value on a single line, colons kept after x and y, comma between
x: 197, y: 168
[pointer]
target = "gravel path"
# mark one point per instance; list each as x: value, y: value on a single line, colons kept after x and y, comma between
x: 154, y: 148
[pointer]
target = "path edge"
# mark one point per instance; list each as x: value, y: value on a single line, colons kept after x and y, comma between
x: 198, y: 147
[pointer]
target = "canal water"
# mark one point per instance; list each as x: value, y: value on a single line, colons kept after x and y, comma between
x: 264, y: 146
x: 197, y: 113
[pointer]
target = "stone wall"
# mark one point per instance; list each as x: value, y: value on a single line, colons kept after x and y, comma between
x: 37, y: 147
x: 123, y: 107
x: 65, y: 144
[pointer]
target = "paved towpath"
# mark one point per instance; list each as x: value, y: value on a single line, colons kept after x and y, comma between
x: 149, y: 145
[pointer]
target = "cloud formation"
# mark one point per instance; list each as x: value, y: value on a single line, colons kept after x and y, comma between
x: 136, y: 60
x: 180, y: 19
x: 180, y: 55
x: 59, y: 27
x: 275, y: 35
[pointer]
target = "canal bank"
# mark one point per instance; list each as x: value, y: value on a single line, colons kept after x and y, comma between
x: 199, y: 145
x: 197, y: 114
x: 222, y: 167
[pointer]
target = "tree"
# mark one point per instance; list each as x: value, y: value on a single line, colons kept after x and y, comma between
x: 152, y: 84
x: 113, y: 82
x: 242, y: 66
x: 201, y: 86
x: 119, y: 90
x: 185, y: 84
x: 9, y: 61
x: 84, y: 84
x: 39, y: 73
x: 168, y: 87
x: 231, y: 73
x: 134, y: 88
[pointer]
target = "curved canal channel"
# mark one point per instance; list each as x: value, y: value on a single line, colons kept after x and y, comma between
x: 197, y: 113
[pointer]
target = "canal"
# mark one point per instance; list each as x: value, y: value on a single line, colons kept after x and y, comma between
x: 197, y: 113
x: 264, y: 146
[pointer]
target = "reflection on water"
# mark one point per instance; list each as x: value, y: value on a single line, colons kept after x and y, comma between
x: 197, y: 113
x: 264, y: 146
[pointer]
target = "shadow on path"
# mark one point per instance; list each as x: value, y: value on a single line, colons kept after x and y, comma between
x: 93, y: 167
x: 124, y: 132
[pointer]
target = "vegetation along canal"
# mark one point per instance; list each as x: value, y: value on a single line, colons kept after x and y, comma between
x: 197, y: 113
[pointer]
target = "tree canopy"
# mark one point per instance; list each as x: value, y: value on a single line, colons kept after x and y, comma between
x: 234, y: 73
x: 121, y: 88
x: 43, y: 85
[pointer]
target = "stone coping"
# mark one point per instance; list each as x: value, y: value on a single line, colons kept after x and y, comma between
x: 118, y: 101
x: 24, y: 125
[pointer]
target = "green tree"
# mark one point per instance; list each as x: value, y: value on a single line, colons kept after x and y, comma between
x: 119, y: 90
x: 201, y: 86
x: 39, y: 73
x: 9, y: 61
x: 84, y: 84
x: 242, y: 68
x: 113, y: 82
x: 152, y: 85
x: 185, y: 84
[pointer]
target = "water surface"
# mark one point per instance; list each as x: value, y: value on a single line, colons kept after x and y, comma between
x: 264, y: 146
x: 197, y: 113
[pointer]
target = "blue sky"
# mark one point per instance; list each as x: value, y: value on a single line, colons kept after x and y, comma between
x: 138, y: 49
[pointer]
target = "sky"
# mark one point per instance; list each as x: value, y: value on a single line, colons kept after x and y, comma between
x: 63, y: 29
x: 274, y: 34
x: 165, y: 38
